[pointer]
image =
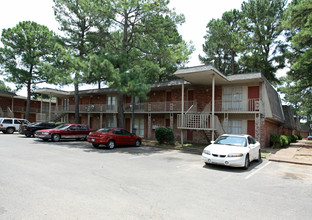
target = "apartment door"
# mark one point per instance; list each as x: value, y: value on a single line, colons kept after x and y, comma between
x: 253, y: 98
x: 167, y: 122
x: 189, y: 135
x: 128, y: 124
x: 251, y: 127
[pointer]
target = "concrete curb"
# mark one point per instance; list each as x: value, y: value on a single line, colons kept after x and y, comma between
x: 290, y: 161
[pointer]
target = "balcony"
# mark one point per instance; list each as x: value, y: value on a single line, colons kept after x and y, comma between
x: 92, y: 108
x: 250, y: 105
x: 159, y: 107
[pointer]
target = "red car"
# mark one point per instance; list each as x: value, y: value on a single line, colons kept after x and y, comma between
x: 69, y: 131
x: 112, y: 137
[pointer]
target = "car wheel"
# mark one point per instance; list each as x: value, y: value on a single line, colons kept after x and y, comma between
x: 247, y: 162
x: 259, y: 156
x: 137, y: 143
x: 111, y: 144
x: 4, y: 132
x: 10, y: 130
x: 96, y: 145
x: 56, y: 137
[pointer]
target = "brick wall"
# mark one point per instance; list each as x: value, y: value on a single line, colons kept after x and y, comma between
x: 268, y: 128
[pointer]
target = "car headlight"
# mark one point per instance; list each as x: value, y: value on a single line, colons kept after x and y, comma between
x: 45, y: 133
x: 207, y: 152
x: 235, y: 155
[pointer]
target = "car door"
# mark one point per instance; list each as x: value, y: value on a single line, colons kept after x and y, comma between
x: 82, y: 131
x: 253, y: 148
x: 72, y: 131
x: 127, y: 138
x: 118, y: 137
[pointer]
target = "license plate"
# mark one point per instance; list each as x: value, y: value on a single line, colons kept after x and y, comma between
x: 92, y: 140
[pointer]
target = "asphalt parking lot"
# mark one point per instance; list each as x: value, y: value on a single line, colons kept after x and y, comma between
x: 73, y: 180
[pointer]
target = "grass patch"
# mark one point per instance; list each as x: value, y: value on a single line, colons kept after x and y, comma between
x: 265, y: 154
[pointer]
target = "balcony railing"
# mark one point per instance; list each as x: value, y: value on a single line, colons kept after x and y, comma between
x: 250, y: 105
x: 174, y: 106
x: 95, y: 108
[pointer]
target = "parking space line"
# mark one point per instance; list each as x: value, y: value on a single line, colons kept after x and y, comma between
x: 152, y: 155
x: 253, y: 173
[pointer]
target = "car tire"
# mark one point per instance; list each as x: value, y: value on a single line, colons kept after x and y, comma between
x: 111, y: 144
x: 10, y: 130
x: 247, y: 162
x: 95, y: 145
x: 259, y: 156
x: 137, y: 143
x: 4, y: 132
x: 56, y: 137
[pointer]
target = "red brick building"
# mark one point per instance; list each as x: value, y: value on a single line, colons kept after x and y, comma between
x: 14, y: 106
x: 212, y: 104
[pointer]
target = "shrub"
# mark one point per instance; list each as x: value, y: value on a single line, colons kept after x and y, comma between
x: 295, y: 138
x: 284, y: 140
x: 299, y: 137
x: 275, y: 140
x: 164, y: 135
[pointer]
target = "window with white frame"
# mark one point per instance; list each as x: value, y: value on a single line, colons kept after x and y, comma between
x: 233, y: 127
x: 65, y: 104
x: 232, y: 98
x: 110, y: 122
x: 139, y: 126
x: 45, y: 107
x: 111, y: 102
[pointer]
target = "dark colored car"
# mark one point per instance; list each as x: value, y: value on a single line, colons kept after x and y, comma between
x: 112, y: 137
x: 64, y: 131
x: 30, y: 129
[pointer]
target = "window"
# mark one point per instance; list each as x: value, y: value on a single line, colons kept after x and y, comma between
x: 233, y: 127
x: 17, y: 122
x: 45, y: 107
x: 81, y: 128
x: 126, y: 133
x: 111, y: 102
x: 118, y: 131
x: 73, y: 128
x: 139, y: 126
x: 110, y: 123
x: 7, y: 121
x: 251, y: 140
x: 65, y: 104
x: 232, y: 98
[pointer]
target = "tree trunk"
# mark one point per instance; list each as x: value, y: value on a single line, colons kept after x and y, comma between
x: 132, y: 115
x: 28, y: 99
x: 77, y: 103
x: 121, y: 116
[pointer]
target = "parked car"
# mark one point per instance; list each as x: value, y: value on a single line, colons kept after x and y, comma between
x: 10, y: 125
x: 309, y: 137
x: 112, y: 137
x: 30, y: 129
x: 64, y: 131
x: 232, y: 150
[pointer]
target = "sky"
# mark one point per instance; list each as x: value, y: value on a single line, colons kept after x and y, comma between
x: 197, y: 15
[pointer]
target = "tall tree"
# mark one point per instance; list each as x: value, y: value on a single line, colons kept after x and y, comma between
x: 262, y: 23
x: 223, y: 42
x: 25, y: 48
x: 5, y: 88
x: 135, y: 46
x: 84, y: 24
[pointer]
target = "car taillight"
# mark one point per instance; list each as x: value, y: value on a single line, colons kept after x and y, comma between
x: 1, y: 125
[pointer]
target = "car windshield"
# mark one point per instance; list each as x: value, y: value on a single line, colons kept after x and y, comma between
x: 232, y: 140
x: 104, y: 130
x: 62, y: 127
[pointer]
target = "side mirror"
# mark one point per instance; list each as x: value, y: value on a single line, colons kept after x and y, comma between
x: 212, y: 142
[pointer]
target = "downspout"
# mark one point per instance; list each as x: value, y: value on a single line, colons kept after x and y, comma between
x: 41, y: 108
x: 50, y: 108
x: 182, y: 112
x: 213, y: 107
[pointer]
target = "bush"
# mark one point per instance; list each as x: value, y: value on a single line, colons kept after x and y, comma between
x: 295, y: 138
x: 284, y: 140
x: 299, y: 137
x: 164, y: 135
x: 275, y: 140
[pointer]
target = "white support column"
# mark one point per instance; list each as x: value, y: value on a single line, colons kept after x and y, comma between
x: 213, y: 106
x: 50, y: 107
x: 41, y: 109
x: 182, y: 112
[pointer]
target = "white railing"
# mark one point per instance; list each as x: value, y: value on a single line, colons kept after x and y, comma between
x: 173, y: 106
x: 250, y: 105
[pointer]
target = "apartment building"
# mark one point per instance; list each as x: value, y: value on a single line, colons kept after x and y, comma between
x: 212, y: 104
x: 14, y: 106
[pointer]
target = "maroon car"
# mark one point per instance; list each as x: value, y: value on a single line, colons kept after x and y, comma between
x: 112, y: 137
x: 65, y: 131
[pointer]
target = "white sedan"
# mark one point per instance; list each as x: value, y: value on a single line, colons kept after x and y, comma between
x: 232, y: 150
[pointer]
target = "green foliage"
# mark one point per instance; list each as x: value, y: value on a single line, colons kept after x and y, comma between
x: 164, y: 135
x: 299, y: 137
x: 26, y: 48
x: 3, y: 87
x: 279, y: 141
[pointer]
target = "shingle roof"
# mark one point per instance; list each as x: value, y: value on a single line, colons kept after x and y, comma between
x: 289, y: 117
x: 2, y: 92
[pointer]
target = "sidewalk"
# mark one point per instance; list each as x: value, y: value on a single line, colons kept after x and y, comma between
x: 297, y: 153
